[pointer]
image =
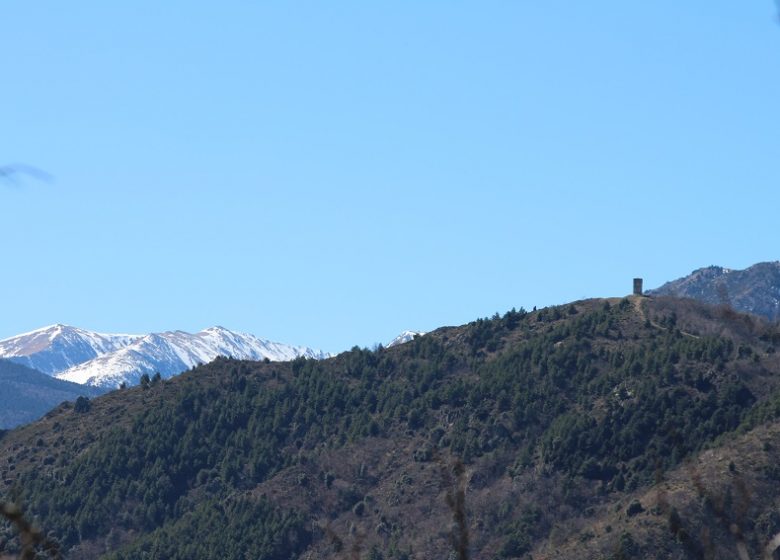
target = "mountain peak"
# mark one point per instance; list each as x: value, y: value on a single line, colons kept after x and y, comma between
x: 108, y: 360
x: 47, y: 329
x: 172, y: 352
x: 220, y: 331
x: 755, y: 289
x: 57, y: 347
x: 404, y: 337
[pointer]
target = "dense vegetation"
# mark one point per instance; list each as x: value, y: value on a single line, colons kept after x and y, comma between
x: 234, y: 529
x: 597, y: 397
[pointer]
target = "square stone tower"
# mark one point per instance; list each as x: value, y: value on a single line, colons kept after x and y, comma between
x: 637, y: 286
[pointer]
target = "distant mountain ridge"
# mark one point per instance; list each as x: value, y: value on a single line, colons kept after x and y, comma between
x: 754, y: 290
x: 108, y: 360
x: 58, y: 347
x: 27, y: 394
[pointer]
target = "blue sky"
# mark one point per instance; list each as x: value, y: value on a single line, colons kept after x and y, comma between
x: 331, y: 173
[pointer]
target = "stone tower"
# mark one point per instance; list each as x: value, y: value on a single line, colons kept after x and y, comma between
x: 637, y: 286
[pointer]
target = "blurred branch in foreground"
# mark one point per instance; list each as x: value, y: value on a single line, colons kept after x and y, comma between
x: 31, y: 538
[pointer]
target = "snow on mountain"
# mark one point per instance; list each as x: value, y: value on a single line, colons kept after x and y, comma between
x: 58, y: 347
x: 172, y: 352
x: 404, y: 337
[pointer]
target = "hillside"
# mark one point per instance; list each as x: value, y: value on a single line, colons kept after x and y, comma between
x: 754, y: 290
x: 26, y: 394
x: 534, y: 432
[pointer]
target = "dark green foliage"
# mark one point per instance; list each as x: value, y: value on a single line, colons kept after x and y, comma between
x: 520, y: 531
x: 634, y: 508
x: 538, y: 385
x: 520, y: 535
x: 81, y: 404
x: 763, y: 412
x: 517, y: 544
x: 233, y: 531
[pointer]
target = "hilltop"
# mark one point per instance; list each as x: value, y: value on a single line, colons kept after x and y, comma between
x: 600, y: 428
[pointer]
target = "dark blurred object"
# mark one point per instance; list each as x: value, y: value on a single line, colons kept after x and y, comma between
x: 30, y: 537
x: 12, y: 171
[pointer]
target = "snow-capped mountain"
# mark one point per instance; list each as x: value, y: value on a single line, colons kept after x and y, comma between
x: 57, y: 347
x: 108, y: 360
x: 172, y: 352
x: 404, y: 337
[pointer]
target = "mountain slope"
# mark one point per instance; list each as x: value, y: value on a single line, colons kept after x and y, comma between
x: 754, y: 290
x: 723, y: 503
x: 56, y: 348
x: 549, y: 424
x: 26, y: 394
x: 170, y: 353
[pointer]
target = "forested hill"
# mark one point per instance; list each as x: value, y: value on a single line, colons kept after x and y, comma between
x: 633, y: 428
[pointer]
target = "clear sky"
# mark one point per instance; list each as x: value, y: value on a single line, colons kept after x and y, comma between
x: 331, y: 173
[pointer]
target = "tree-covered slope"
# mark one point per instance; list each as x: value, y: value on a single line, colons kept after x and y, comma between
x: 526, y: 428
x: 27, y: 394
